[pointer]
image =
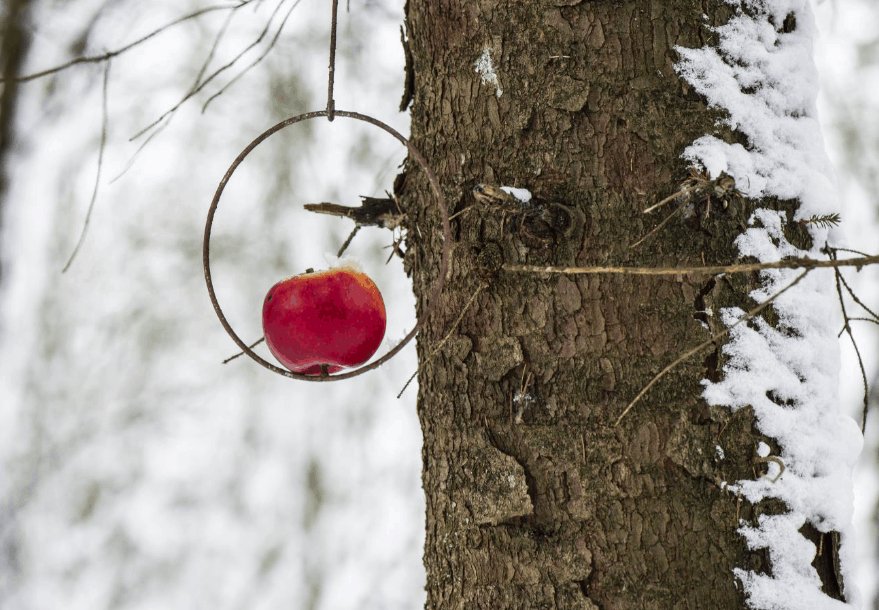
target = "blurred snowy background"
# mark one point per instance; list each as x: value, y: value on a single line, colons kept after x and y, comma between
x: 847, y: 55
x: 137, y: 471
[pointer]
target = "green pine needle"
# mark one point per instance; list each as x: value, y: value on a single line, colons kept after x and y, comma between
x: 824, y: 221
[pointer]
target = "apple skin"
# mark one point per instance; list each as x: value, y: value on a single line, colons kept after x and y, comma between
x: 334, y: 318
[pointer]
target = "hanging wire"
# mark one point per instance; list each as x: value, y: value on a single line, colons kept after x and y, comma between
x: 433, y: 301
x: 331, y: 113
x: 331, y: 77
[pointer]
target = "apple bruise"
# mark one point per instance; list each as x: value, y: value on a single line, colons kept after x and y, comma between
x: 334, y: 318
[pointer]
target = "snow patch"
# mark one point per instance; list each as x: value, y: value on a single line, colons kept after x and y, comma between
x: 765, y: 80
x: 485, y: 69
x: 523, y: 195
x: 795, y: 584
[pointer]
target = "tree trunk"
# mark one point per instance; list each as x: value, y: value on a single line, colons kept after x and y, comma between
x: 535, y: 498
x: 13, y: 46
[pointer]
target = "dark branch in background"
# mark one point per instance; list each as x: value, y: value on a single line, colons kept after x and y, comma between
x: 163, y: 121
x: 213, y: 51
x: 871, y: 320
x: 102, y: 146
x: 256, y: 61
x: 855, y: 298
x: 14, y: 43
x: 130, y: 163
x: 204, y: 68
x: 846, y: 328
x: 85, y: 59
x: 192, y: 92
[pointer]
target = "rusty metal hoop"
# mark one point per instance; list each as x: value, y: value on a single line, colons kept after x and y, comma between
x: 444, y: 261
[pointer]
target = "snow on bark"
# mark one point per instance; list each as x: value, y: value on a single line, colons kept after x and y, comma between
x: 486, y: 70
x: 523, y: 195
x: 762, y: 75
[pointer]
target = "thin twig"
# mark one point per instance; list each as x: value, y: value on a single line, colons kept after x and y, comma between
x: 213, y: 75
x: 460, y: 212
x: 348, y: 241
x: 850, y: 251
x: 130, y: 163
x: 331, y: 76
x: 659, y: 204
x: 855, y: 298
x: 251, y: 346
x: 195, y: 83
x: 442, y: 342
x: 255, y: 62
x: 790, y: 263
x: 658, y: 227
x: 710, y: 341
x: 213, y: 51
x: 86, y: 59
x: 870, y: 320
x: 101, y: 147
x: 848, y: 330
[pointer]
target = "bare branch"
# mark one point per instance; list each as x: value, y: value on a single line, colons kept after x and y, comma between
x: 256, y: 61
x: 213, y: 51
x: 850, y: 251
x: 373, y: 211
x: 130, y: 163
x: 102, y: 146
x: 86, y: 59
x: 347, y: 243
x: 870, y: 320
x: 855, y: 298
x: 192, y: 92
x: 658, y: 227
x: 204, y: 67
x: 251, y: 346
x: 790, y: 263
x: 848, y: 330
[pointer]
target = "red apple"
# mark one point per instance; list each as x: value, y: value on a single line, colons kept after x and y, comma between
x: 334, y: 318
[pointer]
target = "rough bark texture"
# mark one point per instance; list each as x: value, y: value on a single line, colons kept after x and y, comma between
x: 534, y: 498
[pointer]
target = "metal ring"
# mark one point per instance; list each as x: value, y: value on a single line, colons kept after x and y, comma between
x: 438, y: 285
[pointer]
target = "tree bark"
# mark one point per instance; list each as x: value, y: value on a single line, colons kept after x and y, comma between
x: 535, y: 499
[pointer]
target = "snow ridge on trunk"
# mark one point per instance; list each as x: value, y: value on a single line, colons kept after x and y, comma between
x: 762, y: 74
